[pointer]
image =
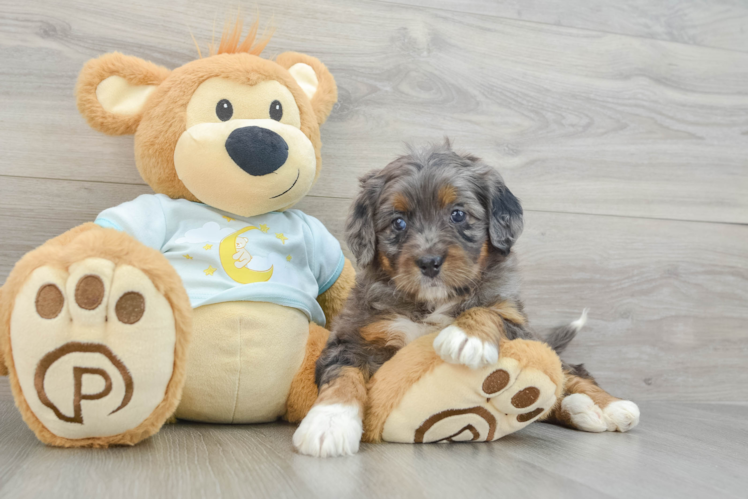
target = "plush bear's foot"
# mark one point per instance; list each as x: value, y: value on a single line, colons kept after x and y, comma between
x: 93, y: 351
x: 443, y: 402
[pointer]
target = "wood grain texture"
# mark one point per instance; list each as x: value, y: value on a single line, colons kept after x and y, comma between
x: 709, y: 23
x: 677, y: 451
x: 578, y: 121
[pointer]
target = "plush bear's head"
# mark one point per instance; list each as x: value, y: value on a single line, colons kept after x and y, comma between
x: 232, y: 130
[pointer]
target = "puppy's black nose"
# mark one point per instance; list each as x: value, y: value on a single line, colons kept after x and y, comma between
x: 430, y: 265
x: 257, y: 150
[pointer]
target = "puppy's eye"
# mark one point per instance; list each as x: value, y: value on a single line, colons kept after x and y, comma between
x: 276, y: 111
x: 399, y: 224
x: 224, y: 110
x: 458, y: 216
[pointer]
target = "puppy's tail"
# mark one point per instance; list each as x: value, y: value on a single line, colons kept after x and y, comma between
x: 561, y: 336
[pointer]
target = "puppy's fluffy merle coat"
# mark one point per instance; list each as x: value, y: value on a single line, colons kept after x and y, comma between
x: 432, y: 233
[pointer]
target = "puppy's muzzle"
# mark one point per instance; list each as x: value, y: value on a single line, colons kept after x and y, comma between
x: 257, y: 150
x: 430, y: 265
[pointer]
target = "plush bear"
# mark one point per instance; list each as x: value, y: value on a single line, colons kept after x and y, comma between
x: 207, y: 300
x: 97, y: 323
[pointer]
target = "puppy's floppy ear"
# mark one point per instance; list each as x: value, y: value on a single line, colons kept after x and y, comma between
x: 112, y: 91
x: 505, y: 213
x: 314, y: 79
x: 360, y: 231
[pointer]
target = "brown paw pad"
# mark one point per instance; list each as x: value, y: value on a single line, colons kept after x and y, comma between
x: 49, y: 301
x: 130, y: 308
x: 529, y: 416
x: 89, y: 292
x: 496, y: 382
x: 526, y: 397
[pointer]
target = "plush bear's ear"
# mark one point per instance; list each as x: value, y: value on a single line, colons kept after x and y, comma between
x: 314, y: 79
x: 113, y: 89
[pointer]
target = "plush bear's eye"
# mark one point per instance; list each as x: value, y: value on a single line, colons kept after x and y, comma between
x: 276, y: 111
x: 224, y: 110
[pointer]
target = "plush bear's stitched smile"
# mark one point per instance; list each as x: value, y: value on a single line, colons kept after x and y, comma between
x: 289, y: 189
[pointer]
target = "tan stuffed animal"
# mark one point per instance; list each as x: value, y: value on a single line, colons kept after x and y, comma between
x: 95, y: 324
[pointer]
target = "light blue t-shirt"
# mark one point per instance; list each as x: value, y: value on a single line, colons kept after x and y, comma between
x: 288, y: 258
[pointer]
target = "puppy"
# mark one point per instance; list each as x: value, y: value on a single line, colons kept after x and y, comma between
x: 432, y: 233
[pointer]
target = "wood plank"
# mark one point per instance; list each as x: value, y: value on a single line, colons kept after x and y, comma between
x: 577, y: 121
x: 708, y: 23
x: 667, y: 301
x: 675, y: 452
x: 667, y: 298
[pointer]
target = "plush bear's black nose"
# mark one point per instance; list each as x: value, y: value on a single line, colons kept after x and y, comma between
x: 257, y: 150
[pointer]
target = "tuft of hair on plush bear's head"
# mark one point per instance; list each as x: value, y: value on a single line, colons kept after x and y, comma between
x: 232, y: 130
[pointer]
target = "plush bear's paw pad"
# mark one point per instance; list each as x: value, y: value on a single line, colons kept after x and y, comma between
x: 329, y: 431
x: 92, y: 346
x: 521, y: 394
x: 455, y: 346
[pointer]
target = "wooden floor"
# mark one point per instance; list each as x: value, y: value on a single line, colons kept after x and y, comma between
x: 621, y: 125
x: 680, y: 450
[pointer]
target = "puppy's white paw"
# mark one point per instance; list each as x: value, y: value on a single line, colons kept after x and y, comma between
x: 329, y: 431
x: 455, y: 346
x: 621, y: 416
x: 584, y: 413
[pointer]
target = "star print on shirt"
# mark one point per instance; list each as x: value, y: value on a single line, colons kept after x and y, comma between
x: 228, y: 219
x: 264, y: 228
x: 208, y: 246
x: 187, y: 256
x: 210, y: 271
x: 288, y: 258
x: 281, y: 237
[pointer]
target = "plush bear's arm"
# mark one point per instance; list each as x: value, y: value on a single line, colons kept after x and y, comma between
x: 333, y: 299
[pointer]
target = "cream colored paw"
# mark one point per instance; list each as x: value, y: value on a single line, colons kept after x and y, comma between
x: 455, y: 346
x: 621, y: 416
x: 93, y: 347
x: 584, y: 413
x: 456, y: 403
x: 329, y: 431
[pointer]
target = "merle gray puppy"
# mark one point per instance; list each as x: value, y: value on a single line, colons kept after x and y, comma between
x: 432, y: 234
